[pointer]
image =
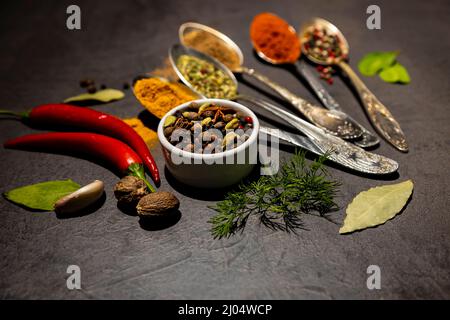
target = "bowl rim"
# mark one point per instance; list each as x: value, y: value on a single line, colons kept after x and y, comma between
x: 167, y: 145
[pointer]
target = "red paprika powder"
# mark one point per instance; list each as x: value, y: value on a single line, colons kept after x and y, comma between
x: 275, y: 38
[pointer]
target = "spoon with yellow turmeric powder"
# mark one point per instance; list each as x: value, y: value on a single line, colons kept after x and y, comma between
x: 159, y: 96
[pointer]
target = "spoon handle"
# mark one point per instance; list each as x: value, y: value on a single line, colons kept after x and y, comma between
x: 337, y: 150
x: 332, y: 121
x: 378, y: 114
x: 367, y: 139
x: 324, y: 96
x: 295, y: 139
x: 300, y: 124
x: 302, y: 105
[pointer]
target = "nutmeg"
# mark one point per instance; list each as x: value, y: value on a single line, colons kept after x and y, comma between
x: 129, y: 190
x: 157, y: 204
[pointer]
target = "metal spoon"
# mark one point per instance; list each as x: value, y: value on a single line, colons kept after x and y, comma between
x: 337, y: 150
x: 367, y: 138
x: 307, y: 144
x: 378, y: 114
x: 332, y: 121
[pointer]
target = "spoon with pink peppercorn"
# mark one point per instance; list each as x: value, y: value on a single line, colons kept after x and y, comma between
x: 324, y: 44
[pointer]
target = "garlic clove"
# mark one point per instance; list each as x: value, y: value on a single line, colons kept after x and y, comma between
x: 80, y: 199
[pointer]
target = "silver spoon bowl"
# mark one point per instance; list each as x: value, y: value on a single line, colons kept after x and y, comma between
x: 188, y: 27
x: 178, y: 50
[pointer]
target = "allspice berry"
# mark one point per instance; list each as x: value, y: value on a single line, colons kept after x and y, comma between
x: 157, y: 204
x: 129, y: 190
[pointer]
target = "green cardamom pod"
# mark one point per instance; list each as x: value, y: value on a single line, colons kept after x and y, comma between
x: 169, y: 121
x: 233, y: 124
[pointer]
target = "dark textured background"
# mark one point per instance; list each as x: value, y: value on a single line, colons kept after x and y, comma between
x: 41, y: 61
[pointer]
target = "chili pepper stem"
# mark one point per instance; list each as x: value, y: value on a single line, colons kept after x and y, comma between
x: 20, y: 115
x: 137, y: 170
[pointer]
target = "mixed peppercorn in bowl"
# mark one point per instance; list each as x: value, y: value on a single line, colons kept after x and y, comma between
x: 207, y: 128
x: 209, y: 142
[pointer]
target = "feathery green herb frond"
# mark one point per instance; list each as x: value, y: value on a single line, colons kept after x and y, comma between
x: 278, y: 201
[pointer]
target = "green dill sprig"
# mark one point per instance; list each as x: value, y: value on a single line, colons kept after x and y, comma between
x: 278, y: 201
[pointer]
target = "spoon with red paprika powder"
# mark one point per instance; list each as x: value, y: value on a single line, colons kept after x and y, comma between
x: 334, y: 122
x: 276, y: 42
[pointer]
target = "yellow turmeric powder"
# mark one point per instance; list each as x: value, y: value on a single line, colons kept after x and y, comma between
x: 150, y: 136
x: 159, y: 96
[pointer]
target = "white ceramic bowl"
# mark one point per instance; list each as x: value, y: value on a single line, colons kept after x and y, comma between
x: 211, y: 170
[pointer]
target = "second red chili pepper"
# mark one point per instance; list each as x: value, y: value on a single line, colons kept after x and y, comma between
x: 93, y: 121
x: 104, y: 148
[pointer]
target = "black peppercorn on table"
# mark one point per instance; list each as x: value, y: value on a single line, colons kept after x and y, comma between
x: 42, y: 61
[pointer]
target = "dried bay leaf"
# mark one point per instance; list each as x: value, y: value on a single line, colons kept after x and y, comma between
x: 106, y: 95
x: 376, y: 206
x: 42, y: 196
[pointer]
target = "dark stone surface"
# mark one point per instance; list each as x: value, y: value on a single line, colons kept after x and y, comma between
x: 41, y: 61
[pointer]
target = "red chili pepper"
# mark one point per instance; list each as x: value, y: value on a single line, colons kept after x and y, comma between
x: 92, y: 121
x: 104, y: 148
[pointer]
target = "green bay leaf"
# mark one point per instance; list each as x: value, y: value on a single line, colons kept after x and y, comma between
x: 376, y: 206
x: 373, y: 62
x: 106, y: 95
x: 396, y: 73
x: 42, y: 196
